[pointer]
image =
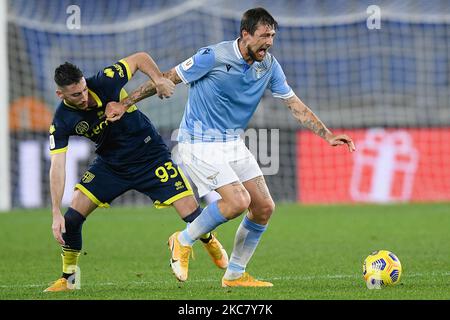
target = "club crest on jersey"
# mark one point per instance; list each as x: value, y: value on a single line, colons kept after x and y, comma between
x: 82, y: 128
x: 88, y: 177
x: 262, y: 67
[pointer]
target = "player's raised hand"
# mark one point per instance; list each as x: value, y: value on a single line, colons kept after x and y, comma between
x: 59, y: 227
x: 164, y: 87
x: 114, y: 111
x: 341, y: 139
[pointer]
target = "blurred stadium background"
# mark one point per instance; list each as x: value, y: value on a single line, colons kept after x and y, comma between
x: 387, y: 85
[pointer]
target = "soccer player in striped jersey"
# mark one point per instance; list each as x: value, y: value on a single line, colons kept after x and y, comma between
x: 226, y: 83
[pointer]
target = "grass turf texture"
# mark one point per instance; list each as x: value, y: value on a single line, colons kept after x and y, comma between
x: 308, y: 252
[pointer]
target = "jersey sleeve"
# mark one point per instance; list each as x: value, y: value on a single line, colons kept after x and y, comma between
x: 113, y: 78
x: 196, y: 66
x: 59, y: 137
x: 278, y: 84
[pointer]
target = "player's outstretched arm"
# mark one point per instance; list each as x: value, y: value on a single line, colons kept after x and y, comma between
x: 143, y: 61
x: 307, y: 118
x: 57, y: 181
x: 115, y: 110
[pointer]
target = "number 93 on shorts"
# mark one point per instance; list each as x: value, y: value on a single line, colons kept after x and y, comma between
x: 163, y: 182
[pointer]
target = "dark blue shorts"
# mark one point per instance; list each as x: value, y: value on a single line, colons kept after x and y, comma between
x: 163, y: 182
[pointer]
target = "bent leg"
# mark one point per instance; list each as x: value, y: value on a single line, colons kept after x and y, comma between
x: 189, y: 210
x: 97, y: 187
x: 210, y: 242
x: 81, y: 206
x: 186, y: 206
x: 262, y: 205
x: 235, y: 200
x: 251, y: 228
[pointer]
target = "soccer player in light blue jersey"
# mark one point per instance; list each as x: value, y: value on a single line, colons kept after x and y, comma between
x: 226, y: 83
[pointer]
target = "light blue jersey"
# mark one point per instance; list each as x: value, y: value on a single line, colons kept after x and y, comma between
x: 224, y: 91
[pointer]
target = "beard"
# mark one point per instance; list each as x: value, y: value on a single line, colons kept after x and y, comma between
x: 254, y: 56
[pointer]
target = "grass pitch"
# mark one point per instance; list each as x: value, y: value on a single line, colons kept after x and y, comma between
x: 308, y: 252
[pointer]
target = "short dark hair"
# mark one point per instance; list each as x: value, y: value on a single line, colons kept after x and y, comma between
x: 251, y: 18
x: 67, y: 74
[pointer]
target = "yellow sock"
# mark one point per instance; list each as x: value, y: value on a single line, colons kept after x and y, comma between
x: 70, y: 260
x: 205, y: 236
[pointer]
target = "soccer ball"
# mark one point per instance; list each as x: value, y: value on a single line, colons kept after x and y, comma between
x: 381, y: 268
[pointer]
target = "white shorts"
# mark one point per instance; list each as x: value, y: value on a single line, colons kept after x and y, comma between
x: 212, y: 165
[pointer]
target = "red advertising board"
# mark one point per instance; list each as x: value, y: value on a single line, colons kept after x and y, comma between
x: 389, y: 165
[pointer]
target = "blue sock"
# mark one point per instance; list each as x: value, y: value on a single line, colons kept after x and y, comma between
x: 74, y: 223
x: 191, y: 217
x: 208, y: 220
x: 247, y: 238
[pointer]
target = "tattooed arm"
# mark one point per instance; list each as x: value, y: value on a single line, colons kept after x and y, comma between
x: 143, y: 62
x: 115, y: 110
x: 307, y: 118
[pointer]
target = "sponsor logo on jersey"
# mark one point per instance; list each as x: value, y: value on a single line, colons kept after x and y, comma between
x: 186, y: 65
x: 179, y: 185
x: 97, y: 129
x: 119, y: 70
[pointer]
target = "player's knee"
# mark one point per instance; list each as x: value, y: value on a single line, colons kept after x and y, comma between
x: 241, y: 203
x: 235, y: 202
x: 235, y: 207
x: 265, y: 211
